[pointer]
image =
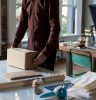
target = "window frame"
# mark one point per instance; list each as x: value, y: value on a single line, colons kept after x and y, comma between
x: 78, y: 17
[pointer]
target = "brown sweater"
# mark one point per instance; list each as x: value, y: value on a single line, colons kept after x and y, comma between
x: 41, y: 19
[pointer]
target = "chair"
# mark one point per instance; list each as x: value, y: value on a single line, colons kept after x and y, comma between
x: 81, y: 58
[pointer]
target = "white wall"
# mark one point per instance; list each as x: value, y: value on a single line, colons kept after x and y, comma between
x: 78, y: 19
x: 11, y: 20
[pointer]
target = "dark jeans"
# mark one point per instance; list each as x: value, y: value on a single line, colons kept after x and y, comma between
x: 50, y: 62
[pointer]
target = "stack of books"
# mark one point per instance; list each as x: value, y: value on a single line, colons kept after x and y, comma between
x: 84, y: 86
x: 91, y: 90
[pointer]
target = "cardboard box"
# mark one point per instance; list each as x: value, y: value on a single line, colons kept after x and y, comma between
x: 21, y: 58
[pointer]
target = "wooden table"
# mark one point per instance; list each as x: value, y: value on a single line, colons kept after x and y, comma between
x: 83, y: 51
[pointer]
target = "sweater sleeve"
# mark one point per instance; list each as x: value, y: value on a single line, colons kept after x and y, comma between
x: 22, y: 27
x: 53, y: 10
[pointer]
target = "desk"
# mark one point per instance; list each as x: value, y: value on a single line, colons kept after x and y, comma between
x: 25, y: 93
x: 67, y: 49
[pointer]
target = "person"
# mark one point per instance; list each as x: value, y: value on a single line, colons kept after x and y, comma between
x: 41, y: 19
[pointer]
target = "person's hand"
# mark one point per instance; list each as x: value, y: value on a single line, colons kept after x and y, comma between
x: 39, y: 59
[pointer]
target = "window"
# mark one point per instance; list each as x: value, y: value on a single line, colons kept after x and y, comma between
x: 18, y: 11
x: 68, y: 16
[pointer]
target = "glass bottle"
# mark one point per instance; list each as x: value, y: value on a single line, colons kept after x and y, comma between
x: 38, y: 86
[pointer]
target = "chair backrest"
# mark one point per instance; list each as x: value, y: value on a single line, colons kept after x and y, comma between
x: 81, y: 58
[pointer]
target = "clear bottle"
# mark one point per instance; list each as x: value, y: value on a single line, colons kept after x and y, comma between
x: 38, y: 86
x: 87, y: 43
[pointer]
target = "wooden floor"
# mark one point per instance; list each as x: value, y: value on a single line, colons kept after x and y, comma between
x: 60, y: 67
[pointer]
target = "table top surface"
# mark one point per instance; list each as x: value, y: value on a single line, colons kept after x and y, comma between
x: 67, y: 48
x: 24, y: 93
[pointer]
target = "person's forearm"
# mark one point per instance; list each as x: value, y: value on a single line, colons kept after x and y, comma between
x: 19, y: 34
x: 54, y: 27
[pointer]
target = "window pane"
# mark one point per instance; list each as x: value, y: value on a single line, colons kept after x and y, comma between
x: 65, y: 2
x: 68, y: 16
x: 18, y: 10
x: 64, y: 20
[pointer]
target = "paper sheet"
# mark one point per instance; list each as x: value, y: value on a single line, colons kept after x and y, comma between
x: 82, y: 84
